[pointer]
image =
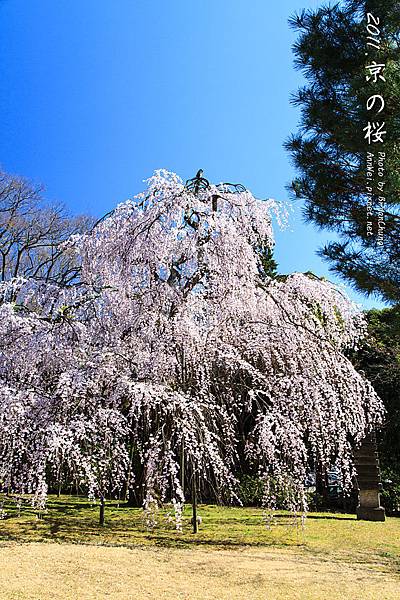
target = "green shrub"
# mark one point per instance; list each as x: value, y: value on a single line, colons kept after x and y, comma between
x: 390, y: 494
x: 250, y: 490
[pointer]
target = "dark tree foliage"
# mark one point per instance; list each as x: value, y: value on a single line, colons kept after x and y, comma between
x: 268, y: 265
x: 330, y: 150
x: 379, y: 359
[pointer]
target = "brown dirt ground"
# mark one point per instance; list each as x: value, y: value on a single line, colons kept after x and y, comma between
x: 48, y: 571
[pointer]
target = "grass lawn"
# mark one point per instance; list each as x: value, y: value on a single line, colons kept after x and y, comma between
x: 67, y: 555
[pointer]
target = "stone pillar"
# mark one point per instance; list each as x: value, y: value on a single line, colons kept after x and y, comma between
x: 368, y: 480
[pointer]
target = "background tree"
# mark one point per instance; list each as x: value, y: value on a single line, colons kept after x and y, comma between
x: 379, y: 358
x: 330, y: 148
x: 32, y: 234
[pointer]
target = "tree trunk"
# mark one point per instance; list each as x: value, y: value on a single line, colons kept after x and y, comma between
x: 102, y: 508
x: 321, y: 486
x: 183, y: 469
x: 194, y: 503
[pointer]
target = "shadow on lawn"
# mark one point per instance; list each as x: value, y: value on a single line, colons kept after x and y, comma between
x: 146, y: 541
x: 75, y: 521
x: 335, y: 517
x: 86, y: 531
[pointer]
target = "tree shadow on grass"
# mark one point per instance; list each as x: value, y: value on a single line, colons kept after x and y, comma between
x: 335, y: 517
x: 88, y: 532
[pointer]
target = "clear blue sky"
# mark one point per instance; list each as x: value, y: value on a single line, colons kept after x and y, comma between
x: 96, y: 94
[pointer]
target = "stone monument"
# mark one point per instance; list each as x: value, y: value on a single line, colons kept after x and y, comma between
x: 368, y: 480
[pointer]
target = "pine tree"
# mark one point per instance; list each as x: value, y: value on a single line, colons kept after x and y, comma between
x: 330, y: 149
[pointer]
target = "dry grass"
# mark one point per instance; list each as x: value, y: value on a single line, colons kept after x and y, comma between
x: 233, y: 556
x: 67, y: 572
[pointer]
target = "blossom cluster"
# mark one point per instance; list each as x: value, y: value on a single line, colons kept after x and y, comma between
x: 172, y: 359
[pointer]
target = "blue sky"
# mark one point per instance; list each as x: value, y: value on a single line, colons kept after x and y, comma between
x: 95, y: 95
